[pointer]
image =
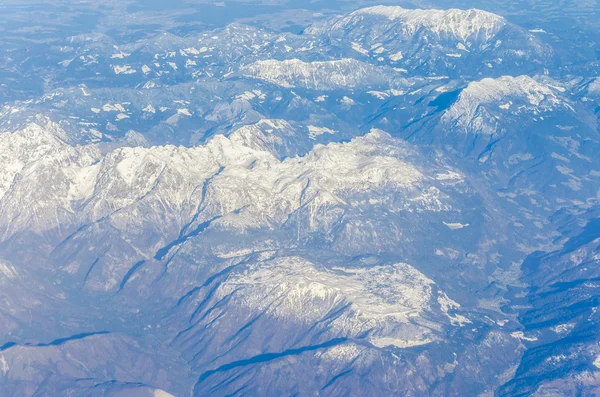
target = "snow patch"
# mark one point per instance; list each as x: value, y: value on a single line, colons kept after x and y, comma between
x: 7, y: 271
x: 120, y: 55
x: 149, y: 109
x: 162, y: 393
x: 456, y: 226
x: 314, y: 131
x: 358, y: 48
x: 520, y: 335
x: 124, y: 69
x: 396, y: 56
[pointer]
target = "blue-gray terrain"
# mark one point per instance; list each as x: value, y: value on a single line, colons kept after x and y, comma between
x: 337, y: 198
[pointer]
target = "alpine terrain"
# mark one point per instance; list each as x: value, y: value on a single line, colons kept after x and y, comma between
x: 275, y: 199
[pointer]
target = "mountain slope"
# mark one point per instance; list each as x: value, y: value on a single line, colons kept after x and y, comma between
x: 436, y: 42
x: 387, y: 202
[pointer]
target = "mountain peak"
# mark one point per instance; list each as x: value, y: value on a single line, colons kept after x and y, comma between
x: 464, y: 25
x: 506, y: 94
x: 490, y: 89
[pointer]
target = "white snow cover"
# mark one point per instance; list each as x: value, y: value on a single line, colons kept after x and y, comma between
x: 162, y: 393
x: 463, y: 25
x: 594, y: 87
x: 26, y: 147
x: 381, y: 297
x: 470, y: 113
x: 275, y: 136
x: 314, y: 131
x: 401, y: 289
x: 124, y: 69
x: 7, y: 271
x: 318, y: 75
x: 490, y: 90
x: 241, y: 177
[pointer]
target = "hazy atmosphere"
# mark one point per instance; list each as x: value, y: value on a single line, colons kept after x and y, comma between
x: 283, y: 198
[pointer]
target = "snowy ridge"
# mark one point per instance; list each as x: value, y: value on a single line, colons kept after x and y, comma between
x: 271, y: 135
x: 453, y: 42
x: 318, y: 75
x: 463, y: 25
x: 384, y: 298
x: 223, y: 211
x: 248, y: 187
x: 466, y: 26
x: 28, y: 146
x: 479, y: 102
x: 489, y: 90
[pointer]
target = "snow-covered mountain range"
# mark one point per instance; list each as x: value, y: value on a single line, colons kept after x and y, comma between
x: 390, y: 201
